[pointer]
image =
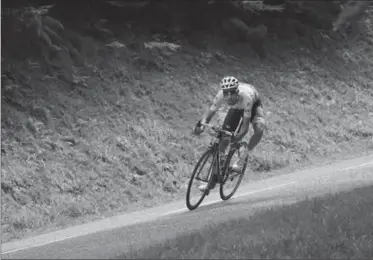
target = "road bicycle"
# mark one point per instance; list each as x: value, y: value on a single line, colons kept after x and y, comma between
x: 222, y: 171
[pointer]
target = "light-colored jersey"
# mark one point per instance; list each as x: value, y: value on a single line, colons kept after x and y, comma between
x: 248, y: 95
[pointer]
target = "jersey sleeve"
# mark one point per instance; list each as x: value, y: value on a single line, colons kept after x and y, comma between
x: 249, y: 100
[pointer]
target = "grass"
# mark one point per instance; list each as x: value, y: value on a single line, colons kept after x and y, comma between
x: 335, y: 226
x: 122, y: 140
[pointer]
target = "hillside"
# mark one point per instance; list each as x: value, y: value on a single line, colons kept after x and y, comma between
x: 104, y: 124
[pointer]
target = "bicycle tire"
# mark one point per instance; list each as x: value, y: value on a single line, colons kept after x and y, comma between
x: 201, y: 162
x: 226, y: 177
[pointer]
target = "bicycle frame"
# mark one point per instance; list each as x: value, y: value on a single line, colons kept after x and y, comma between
x: 215, y: 147
x: 215, y: 167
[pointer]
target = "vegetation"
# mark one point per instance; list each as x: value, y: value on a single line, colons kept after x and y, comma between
x: 337, y: 226
x: 98, y: 102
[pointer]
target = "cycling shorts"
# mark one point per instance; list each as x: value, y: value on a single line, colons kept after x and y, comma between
x: 234, y: 115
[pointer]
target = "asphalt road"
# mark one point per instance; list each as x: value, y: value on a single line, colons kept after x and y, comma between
x: 113, y: 237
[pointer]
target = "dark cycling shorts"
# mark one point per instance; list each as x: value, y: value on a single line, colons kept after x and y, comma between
x: 232, y: 119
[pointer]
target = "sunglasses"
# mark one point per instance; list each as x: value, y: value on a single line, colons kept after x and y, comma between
x: 229, y: 92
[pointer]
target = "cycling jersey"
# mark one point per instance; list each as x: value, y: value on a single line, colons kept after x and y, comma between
x: 248, y: 95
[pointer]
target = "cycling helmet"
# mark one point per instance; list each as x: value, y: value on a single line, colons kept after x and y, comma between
x: 229, y: 83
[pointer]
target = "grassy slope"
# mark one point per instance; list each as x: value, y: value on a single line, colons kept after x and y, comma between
x: 71, y: 153
x: 335, y: 226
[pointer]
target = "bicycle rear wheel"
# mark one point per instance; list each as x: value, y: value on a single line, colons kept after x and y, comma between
x: 195, y: 197
x: 231, y: 180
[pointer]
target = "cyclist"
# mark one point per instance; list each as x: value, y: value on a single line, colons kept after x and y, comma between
x: 244, y: 102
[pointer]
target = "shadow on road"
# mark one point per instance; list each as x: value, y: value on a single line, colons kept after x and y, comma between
x: 245, y: 202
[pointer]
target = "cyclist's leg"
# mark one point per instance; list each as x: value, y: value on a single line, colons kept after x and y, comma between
x: 238, y: 162
x: 231, y: 122
x: 258, y: 122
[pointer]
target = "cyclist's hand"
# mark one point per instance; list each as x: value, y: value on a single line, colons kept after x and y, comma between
x: 198, y: 128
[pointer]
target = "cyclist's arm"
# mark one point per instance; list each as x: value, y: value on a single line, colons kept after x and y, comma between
x: 216, y: 104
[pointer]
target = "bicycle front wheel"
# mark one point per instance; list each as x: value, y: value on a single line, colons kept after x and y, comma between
x: 194, y: 196
x: 232, y: 180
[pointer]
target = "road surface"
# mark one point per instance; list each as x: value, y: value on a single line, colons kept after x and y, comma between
x: 113, y: 237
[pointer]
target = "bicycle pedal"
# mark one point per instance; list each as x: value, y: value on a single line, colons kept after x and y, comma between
x: 199, y: 179
x: 234, y: 175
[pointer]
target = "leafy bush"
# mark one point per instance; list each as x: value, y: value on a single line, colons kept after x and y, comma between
x: 34, y: 23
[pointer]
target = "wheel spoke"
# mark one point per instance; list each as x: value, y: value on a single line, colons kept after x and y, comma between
x: 201, y: 174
